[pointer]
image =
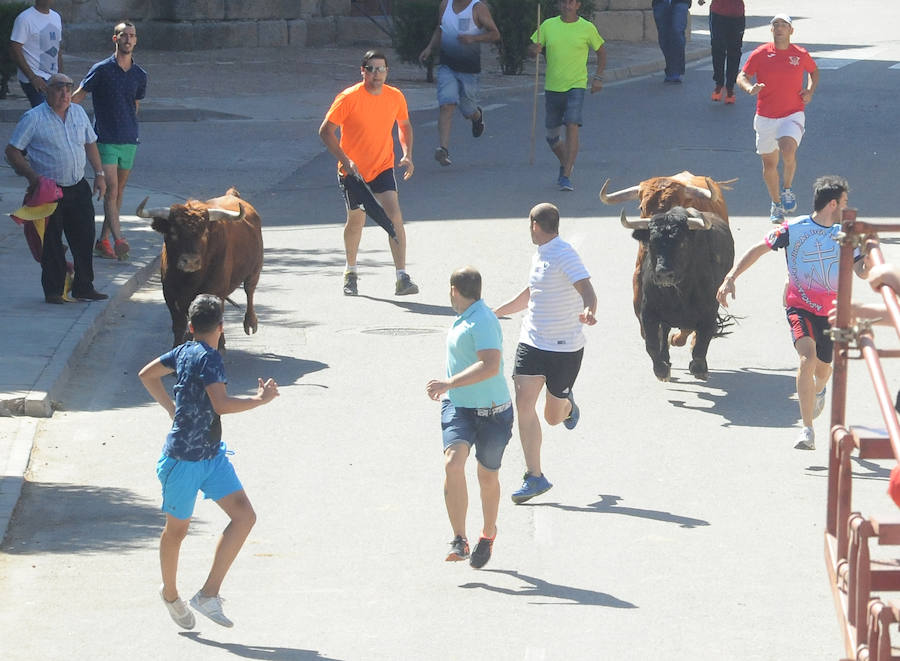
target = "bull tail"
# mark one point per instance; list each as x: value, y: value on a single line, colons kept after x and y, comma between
x: 234, y: 192
x: 724, y: 321
x: 231, y: 300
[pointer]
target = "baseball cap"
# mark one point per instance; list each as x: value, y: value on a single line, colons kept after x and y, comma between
x: 781, y: 17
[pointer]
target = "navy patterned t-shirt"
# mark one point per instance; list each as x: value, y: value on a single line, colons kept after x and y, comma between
x: 114, y: 92
x: 197, y: 429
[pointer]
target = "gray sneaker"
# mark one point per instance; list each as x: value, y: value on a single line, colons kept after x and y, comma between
x: 211, y: 607
x: 350, y: 279
x: 405, y: 286
x: 178, y: 610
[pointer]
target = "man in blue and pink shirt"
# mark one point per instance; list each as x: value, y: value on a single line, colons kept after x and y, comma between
x: 812, y: 253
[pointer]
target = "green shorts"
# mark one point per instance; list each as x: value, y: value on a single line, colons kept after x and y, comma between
x: 118, y: 155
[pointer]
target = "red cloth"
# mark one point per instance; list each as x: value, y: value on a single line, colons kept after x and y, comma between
x: 727, y: 7
x: 894, y: 485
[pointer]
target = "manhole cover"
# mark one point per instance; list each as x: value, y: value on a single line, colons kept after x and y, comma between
x: 399, y: 331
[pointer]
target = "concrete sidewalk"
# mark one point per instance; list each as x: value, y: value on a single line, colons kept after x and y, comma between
x: 264, y: 84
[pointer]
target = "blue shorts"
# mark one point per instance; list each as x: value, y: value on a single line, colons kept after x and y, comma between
x: 181, y: 480
x: 563, y: 108
x: 488, y: 433
x: 454, y: 87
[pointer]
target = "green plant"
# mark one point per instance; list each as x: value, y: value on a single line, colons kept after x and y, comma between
x: 414, y: 23
x: 8, y: 15
x: 517, y: 21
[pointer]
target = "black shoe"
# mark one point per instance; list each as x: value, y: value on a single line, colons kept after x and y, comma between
x: 478, y: 124
x: 442, y: 156
x: 482, y: 552
x: 459, y: 549
x: 92, y: 295
x: 350, y: 284
x: 405, y: 286
x: 56, y: 300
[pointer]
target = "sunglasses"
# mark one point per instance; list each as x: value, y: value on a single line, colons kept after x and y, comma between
x: 373, y: 69
x: 67, y: 86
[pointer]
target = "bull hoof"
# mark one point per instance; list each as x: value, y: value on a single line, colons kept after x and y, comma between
x: 699, y: 369
x: 663, y: 372
x: 250, y: 325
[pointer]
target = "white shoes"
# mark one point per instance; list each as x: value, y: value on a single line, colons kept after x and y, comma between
x: 820, y: 403
x: 179, y: 611
x: 211, y: 607
x: 806, y: 441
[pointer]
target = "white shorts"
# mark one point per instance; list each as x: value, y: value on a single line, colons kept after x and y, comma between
x: 769, y: 130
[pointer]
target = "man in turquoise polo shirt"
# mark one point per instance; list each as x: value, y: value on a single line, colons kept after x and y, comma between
x: 566, y: 41
x: 477, y: 413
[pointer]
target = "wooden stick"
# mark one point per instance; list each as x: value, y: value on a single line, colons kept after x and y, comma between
x: 537, y: 69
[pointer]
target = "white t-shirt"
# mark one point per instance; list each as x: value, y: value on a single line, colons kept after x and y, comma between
x: 40, y: 36
x: 551, y: 322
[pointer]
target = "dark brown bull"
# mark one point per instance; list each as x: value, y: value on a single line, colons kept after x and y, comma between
x: 210, y: 248
x: 660, y: 194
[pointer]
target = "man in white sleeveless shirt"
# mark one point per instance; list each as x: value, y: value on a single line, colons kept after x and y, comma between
x: 462, y: 27
x: 560, y: 299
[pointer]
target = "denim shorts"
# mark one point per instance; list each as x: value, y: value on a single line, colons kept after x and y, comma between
x: 181, y: 480
x: 488, y: 433
x: 563, y: 107
x: 454, y: 87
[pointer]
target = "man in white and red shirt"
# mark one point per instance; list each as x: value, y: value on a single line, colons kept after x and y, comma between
x: 812, y: 252
x: 781, y: 98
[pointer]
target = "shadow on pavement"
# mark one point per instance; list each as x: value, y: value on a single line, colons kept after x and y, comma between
x: 737, y: 404
x: 257, y: 651
x: 416, y: 308
x: 541, y: 588
x: 608, y: 504
x: 81, y: 518
x: 244, y: 367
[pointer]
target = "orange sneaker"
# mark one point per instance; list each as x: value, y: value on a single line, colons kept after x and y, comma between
x: 729, y: 98
x: 122, y: 249
x: 717, y: 93
x: 103, y: 249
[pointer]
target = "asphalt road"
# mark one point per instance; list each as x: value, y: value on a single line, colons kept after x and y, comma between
x: 682, y: 524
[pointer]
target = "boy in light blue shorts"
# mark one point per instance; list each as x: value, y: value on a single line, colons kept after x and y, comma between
x: 194, y: 457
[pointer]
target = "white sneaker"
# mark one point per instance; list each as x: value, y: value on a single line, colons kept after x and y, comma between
x: 179, y: 611
x: 820, y: 403
x: 806, y: 441
x: 211, y: 607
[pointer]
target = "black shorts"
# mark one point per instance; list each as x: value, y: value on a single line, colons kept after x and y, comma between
x: 383, y: 182
x: 806, y: 324
x: 559, y: 368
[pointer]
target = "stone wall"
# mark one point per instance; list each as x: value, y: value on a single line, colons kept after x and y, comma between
x: 209, y: 24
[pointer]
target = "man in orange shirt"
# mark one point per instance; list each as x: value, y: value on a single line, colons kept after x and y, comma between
x: 365, y: 113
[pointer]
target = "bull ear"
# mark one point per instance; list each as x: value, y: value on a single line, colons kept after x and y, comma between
x: 641, y: 235
x: 160, y: 225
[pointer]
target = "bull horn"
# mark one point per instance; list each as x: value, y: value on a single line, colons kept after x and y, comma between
x: 226, y: 214
x: 698, y: 220
x: 158, y: 212
x: 624, y: 195
x: 641, y: 224
x: 696, y: 191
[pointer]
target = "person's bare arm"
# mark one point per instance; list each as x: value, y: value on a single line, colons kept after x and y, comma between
x: 224, y: 403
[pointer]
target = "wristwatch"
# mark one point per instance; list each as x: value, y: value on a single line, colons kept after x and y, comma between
x: 99, y: 173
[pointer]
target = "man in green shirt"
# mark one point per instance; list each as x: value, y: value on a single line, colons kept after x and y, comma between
x: 566, y: 41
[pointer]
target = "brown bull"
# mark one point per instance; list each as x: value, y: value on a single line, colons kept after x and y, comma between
x: 661, y: 194
x: 210, y: 247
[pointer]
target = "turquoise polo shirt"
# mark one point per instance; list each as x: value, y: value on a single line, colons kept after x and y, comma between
x: 476, y: 329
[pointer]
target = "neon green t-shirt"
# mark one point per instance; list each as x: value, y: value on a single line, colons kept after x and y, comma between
x: 566, y: 51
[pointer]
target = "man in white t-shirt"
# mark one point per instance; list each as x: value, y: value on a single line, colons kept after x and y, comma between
x: 35, y: 47
x: 559, y: 299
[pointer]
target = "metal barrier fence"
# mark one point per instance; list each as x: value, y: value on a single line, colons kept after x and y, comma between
x: 854, y: 575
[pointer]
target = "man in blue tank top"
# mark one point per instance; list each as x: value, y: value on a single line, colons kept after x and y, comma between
x: 463, y: 26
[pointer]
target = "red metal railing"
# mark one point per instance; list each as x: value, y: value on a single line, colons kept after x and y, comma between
x: 852, y: 572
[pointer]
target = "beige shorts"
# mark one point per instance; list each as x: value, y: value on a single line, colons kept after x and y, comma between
x: 769, y: 130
